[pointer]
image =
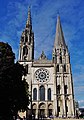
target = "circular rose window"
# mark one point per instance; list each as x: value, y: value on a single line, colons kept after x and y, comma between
x: 42, y: 75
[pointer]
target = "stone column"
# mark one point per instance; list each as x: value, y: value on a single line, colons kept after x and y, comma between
x: 22, y: 53
x: 45, y: 112
x: 67, y: 58
x: 63, y: 95
x: 45, y: 92
x: 58, y: 61
x: 69, y: 105
x: 72, y: 107
x: 38, y: 93
x: 37, y: 111
x: 46, y: 99
x: 72, y: 96
x: 24, y: 38
x: 55, y: 107
x: 19, y: 58
x: 54, y: 94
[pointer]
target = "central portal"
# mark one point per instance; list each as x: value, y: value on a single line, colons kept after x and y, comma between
x: 42, y: 113
x: 42, y: 107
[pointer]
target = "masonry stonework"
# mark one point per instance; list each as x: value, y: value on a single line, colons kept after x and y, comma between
x: 50, y: 81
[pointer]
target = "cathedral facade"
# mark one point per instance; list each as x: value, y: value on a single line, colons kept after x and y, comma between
x: 50, y: 81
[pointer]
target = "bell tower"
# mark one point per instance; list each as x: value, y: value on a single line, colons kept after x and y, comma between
x: 26, y: 51
x: 64, y: 96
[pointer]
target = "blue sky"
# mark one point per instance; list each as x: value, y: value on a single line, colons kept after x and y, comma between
x: 13, y: 16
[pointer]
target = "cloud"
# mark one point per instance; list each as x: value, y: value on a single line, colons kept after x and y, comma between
x: 81, y: 103
x: 79, y: 88
x: 48, y: 13
x: 14, y: 20
x: 44, y: 14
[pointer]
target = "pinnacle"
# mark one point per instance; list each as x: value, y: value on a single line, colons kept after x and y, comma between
x: 59, y: 38
x: 29, y: 23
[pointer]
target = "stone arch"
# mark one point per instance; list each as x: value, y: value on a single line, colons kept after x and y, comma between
x: 50, y: 109
x: 34, y: 107
x: 42, y: 106
x: 25, y: 50
x: 35, y: 94
x: 49, y: 94
x: 50, y: 106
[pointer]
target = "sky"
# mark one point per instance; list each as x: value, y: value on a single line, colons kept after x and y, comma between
x: 13, y: 16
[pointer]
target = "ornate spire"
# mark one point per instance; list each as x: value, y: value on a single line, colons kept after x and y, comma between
x: 29, y: 22
x: 59, y: 38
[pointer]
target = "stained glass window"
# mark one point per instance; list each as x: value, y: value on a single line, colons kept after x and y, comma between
x: 42, y: 93
x: 34, y: 94
x: 49, y: 94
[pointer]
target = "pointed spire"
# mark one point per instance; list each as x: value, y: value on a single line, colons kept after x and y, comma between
x: 59, y: 38
x: 29, y: 22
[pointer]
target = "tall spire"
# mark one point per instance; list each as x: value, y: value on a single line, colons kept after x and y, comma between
x: 29, y: 22
x: 59, y: 38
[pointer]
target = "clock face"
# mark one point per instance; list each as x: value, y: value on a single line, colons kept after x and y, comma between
x: 42, y: 75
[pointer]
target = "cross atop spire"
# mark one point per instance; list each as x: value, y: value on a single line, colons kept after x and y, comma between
x: 59, y: 38
x: 29, y: 22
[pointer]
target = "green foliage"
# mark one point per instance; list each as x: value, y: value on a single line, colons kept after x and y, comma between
x: 6, y: 54
x: 14, y: 95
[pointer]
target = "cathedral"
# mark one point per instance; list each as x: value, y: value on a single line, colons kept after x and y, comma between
x: 50, y: 81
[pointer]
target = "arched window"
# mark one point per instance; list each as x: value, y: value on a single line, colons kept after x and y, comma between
x: 58, y: 89
x: 64, y: 68
x: 26, y: 69
x: 42, y: 93
x: 34, y: 94
x: 60, y: 59
x: 25, y: 50
x: 57, y: 68
x: 26, y: 38
x: 65, y: 89
x: 49, y: 94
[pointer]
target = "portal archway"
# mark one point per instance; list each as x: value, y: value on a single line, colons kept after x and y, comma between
x: 50, y: 109
x: 34, y: 107
x: 42, y: 107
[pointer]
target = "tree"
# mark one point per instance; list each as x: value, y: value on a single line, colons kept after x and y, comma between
x: 6, y: 55
x: 14, y: 94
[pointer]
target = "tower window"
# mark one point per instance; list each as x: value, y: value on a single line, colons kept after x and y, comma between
x: 58, y: 108
x: 58, y: 89
x: 42, y: 93
x: 26, y: 69
x: 57, y: 68
x: 24, y: 57
x: 66, y: 108
x: 64, y: 51
x: 25, y: 50
x: 64, y: 68
x: 65, y: 89
x: 34, y: 94
x: 26, y: 38
x: 49, y: 94
x: 60, y: 59
x: 22, y: 39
